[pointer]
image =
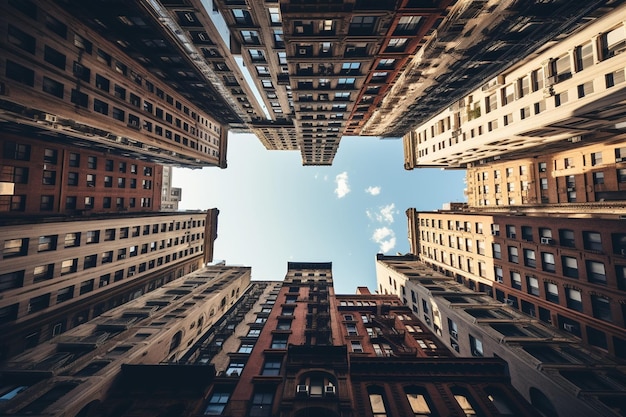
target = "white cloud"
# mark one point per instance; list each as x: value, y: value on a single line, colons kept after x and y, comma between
x: 383, y: 215
x: 386, y: 238
x: 373, y: 190
x: 342, y: 185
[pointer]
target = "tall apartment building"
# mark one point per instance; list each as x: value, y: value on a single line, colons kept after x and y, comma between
x: 549, y: 367
x: 563, y: 96
x: 54, y: 178
x: 569, y: 271
x: 589, y: 178
x: 59, y: 272
x: 66, y: 82
x: 170, y: 196
x: 72, y: 374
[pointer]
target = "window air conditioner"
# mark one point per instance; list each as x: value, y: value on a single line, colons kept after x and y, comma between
x: 569, y: 327
x: 330, y: 390
x: 547, y: 240
x: 302, y: 390
x: 454, y: 334
x: 508, y: 301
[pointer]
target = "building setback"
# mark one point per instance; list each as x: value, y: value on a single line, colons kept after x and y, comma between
x: 59, y: 272
x: 550, y: 367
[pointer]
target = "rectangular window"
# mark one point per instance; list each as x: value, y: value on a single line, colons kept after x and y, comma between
x: 271, y: 367
x: 596, y: 272
x: 20, y: 73
x: 279, y: 341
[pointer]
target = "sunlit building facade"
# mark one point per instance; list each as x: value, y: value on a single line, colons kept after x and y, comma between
x: 56, y: 273
x: 549, y: 367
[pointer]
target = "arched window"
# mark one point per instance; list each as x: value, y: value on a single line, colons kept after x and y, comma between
x: 377, y: 401
x: 176, y: 339
x: 419, y: 401
x: 542, y: 403
x: 500, y: 400
x: 466, y: 402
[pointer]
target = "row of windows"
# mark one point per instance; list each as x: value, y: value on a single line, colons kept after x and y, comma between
x: 17, y: 203
x: 557, y: 70
x: 20, y: 246
x: 44, y: 301
x: 26, y: 76
x: 28, y: 43
x: 600, y: 304
x: 49, y: 271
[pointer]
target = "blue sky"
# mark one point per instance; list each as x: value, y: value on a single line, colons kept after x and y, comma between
x: 274, y: 210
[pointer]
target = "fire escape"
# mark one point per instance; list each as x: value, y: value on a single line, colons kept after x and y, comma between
x: 317, y: 329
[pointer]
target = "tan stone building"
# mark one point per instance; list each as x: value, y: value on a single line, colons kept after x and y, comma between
x: 583, y: 178
x: 57, y: 273
x: 563, y: 96
x: 156, y: 328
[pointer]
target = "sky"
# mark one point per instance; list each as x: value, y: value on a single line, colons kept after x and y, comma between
x: 273, y: 210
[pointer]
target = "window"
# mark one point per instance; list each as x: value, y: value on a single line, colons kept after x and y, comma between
x: 532, y: 285
x: 38, y: 303
x: 20, y: 73
x: 69, y: 266
x: 574, y: 299
x: 548, y: 263
x: 613, y: 42
x: 356, y: 346
x: 283, y: 325
x: 351, y: 328
x: 15, y: 247
x: 552, y: 292
x: 377, y: 403
x: 253, y: 333
x: 235, y: 368
x: 43, y: 272
x: 92, y: 236
x: 592, y: 241
x: 46, y: 203
x: 566, y: 237
x: 516, y: 280
x: 261, y: 404
x: 497, y: 253
x: 596, y: 272
x: 271, y: 367
x: 601, y: 307
x: 245, y: 348
x: 419, y: 401
x: 513, y: 254
x: 279, y: 341
x: 529, y: 258
x: 217, y: 402
x: 476, y: 345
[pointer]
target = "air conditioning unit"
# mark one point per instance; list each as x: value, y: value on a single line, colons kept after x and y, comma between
x: 547, y: 240
x: 454, y: 334
x: 569, y: 327
x: 302, y: 390
x: 330, y: 390
x: 455, y: 346
x: 619, y: 159
x: 51, y: 118
x: 570, y: 189
x: 499, y: 279
x: 509, y: 302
